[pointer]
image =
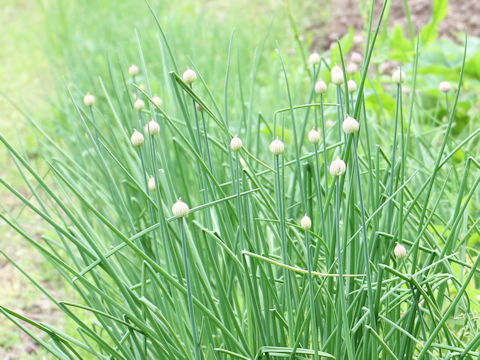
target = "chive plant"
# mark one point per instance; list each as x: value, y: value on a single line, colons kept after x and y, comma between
x: 240, y: 277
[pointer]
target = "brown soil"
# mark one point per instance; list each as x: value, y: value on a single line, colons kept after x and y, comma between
x: 462, y: 15
x: 18, y: 294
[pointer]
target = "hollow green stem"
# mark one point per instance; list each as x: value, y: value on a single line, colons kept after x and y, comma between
x: 189, y: 292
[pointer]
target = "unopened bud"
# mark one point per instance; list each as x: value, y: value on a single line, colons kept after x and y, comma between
x: 350, y: 125
x: 314, y: 59
x: 352, y: 86
x: 138, y: 105
x: 398, y: 76
x: 137, y: 138
x: 337, y: 75
x: 133, y: 70
x: 320, y: 87
x: 400, y: 251
x: 89, y: 99
x: 180, y: 209
x: 314, y: 136
x: 444, y: 87
x: 236, y: 143
x: 189, y: 76
x: 152, y: 128
x: 337, y: 167
x: 277, y: 147
x: 306, y: 222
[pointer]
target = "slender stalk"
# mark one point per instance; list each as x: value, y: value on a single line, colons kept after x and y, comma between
x: 286, y: 275
x: 189, y: 291
x: 313, y: 313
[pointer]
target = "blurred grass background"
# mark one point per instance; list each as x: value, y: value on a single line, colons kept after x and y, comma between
x: 25, y: 78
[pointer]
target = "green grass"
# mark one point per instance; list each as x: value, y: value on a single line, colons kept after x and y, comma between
x: 24, y: 77
x: 237, y: 277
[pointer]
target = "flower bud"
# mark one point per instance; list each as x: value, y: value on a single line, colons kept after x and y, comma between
x: 337, y: 75
x: 198, y: 107
x: 180, y: 209
x: 352, y: 68
x: 138, y: 104
x: 151, y: 183
x: 337, y: 167
x: 398, y: 76
x: 156, y: 100
x: 277, y: 147
x: 352, y: 86
x: 189, y: 76
x: 314, y: 136
x: 400, y: 251
x: 445, y: 87
x: 151, y: 128
x: 314, y: 58
x: 236, y: 143
x: 133, y: 70
x: 137, y: 138
x: 356, y: 57
x: 243, y: 163
x: 350, y: 125
x: 89, y: 99
x: 306, y: 222
x: 320, y: 87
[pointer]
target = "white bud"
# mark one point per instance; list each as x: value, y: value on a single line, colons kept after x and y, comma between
x: 356, y: 57
x: 314, y: 136
x: 180, y: 209
x: 198, y: 107
x: 337, y: 75
x: 243, y: 163
x: 189, y: 76
x: 329, y: 123
x: 352, y: 68
x: 277, y: 147
x: 151, y: 183
x: 320, y: 87
x: 337, y: 167
x: 156, y: 100
x: 400, y: 251
x: 306, y: 222
x: 236, y: 143
x: 350, y: 125
x: 352, y: 86
x: 151, y: 128
x: 398, y: 76
x: 314, y: 58
x: 137, y: 138
x: 133, y: 70
x: 445, y: 87
x: 89, y: 99
x: 138, y: 104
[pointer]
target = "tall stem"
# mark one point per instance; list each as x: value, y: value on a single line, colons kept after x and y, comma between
x: 312, y: 297
x: 189, y: 293
x: 281, y: 215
